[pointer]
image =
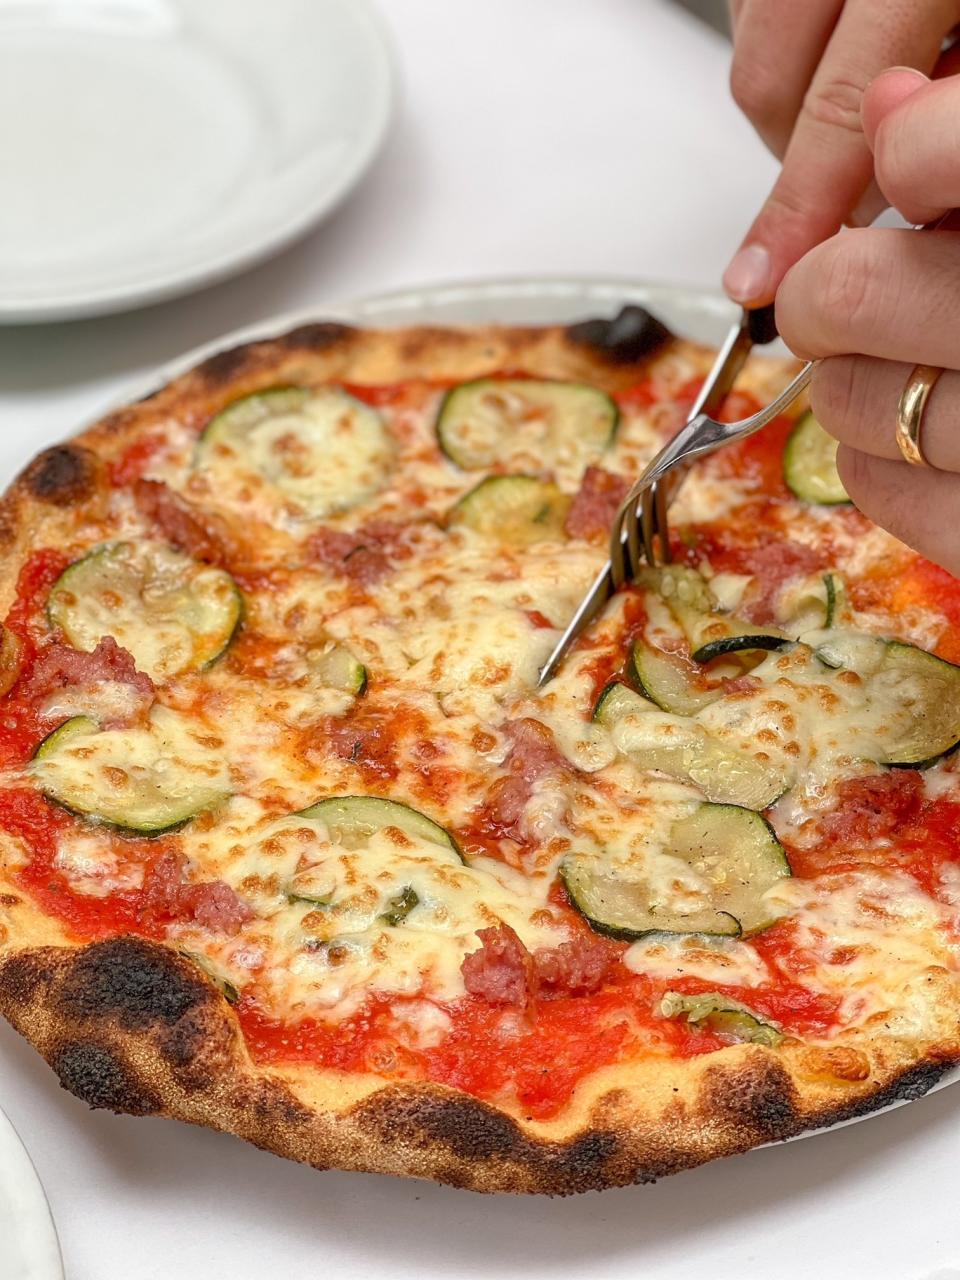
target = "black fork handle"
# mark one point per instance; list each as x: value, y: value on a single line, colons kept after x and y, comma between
x: 762, y: 325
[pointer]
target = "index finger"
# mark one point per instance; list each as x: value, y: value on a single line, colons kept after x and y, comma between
x: 828, y: 164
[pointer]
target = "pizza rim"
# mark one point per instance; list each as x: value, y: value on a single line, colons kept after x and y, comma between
x: 196, y: 1068
x: 130, y: 1026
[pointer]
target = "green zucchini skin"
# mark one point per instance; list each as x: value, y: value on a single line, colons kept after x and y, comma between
x: 576, y: 415
x: 152, y: 808
x: 354, y: 819
x: 718, y: 1012
x: 810, y: 464
x: 171, y: 613
x: 748, y: 642
x: 736, y: 853
x: 518, y: 510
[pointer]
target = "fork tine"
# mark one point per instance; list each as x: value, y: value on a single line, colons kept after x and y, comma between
x: 648, y: 523
x: 661, y: 501
x: 635, y: 548
x: 619, y: 570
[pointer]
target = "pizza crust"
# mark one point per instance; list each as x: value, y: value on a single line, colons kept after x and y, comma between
x: 132, y: 1026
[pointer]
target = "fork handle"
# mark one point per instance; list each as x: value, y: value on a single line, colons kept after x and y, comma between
x: 762, y: 325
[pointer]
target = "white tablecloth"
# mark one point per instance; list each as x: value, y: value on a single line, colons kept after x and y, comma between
x: 533, y: 137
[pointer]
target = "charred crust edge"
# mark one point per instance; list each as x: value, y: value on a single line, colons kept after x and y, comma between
x: 88, y: 1011
x: 908, y: 1086
x: 133, y: 983
x: 94, y: 1074
x: 630, y: 336
x: 62, y: 476
x: 319, y: 336
x: 225, y: 365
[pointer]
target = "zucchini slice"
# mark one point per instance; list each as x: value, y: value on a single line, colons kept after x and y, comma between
x: 678, y: 746
x: 494, y: 421
x: 142, y: 780
x: 172, y: 613
x: 732, y: 856
x: 914, y: 696
x: 923, y: 693
x: 720, y: 1013
x: 668, y: 680
x: 352, y: 820
x: 741, y: 637
x: 337, y: 668
x: 810, y: 464
x: 315, y: 451
x: 738, y: 852
x: 517, y: 510
x: 709, y: 633
x: 627, y: 909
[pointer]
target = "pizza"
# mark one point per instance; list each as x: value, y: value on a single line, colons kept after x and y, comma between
x: 292, y: 846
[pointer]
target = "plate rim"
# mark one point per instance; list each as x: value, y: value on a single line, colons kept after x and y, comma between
x: 45, y: 1257
x: 118, y: 298
x: 518, y: 289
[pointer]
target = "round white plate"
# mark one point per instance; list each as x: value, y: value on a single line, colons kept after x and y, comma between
x: 151, y: 146
x: 704, y: 315
x: 28, y: 1242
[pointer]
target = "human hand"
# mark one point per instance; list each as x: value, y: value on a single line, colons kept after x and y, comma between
x: 799, y: 71
x: 870, y: 304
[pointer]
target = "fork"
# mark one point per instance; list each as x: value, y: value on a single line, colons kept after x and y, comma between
x: 754, y: 328
x: 635, y: 541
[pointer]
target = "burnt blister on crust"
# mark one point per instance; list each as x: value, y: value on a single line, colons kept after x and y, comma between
x: 95, y: 1075
x: 23, y: 976
x: 224, y: 365
x: 633, y: 334
x: 494, y: 1152
x: 757, y: 1099
x: 320, y: 336
x: 138, y: 984
x: 62, y: 476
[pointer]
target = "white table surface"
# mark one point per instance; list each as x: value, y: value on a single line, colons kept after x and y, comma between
x: 534, y: 136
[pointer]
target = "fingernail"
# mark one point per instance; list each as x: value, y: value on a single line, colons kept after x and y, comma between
x: 747, y: 279
x: 910, y: 71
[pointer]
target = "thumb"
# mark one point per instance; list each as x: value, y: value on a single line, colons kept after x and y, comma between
x: 884, y: 94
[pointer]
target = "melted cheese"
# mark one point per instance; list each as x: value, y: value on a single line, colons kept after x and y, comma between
x: 93, y: 866
x: 452, y: 637
x: 867, y: 936
x: 327, y: 954
x: 723, y: 961
x: 329, y: 453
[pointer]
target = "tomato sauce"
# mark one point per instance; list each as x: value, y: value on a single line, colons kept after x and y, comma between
x: 134, y: 460
x: 638, y: 397
x: 490, y: 1052
x: 922, y: 847
x: 535, y: 1062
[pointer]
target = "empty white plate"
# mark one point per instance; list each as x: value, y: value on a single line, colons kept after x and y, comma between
x: 28, y: 1242
x: 150, y: 146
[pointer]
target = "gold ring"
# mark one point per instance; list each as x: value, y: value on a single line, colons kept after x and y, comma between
x: 913, y: 401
